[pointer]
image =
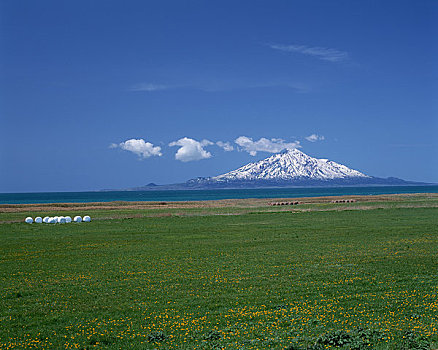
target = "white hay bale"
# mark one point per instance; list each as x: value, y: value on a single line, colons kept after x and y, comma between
x: 38, y: 219
x: 46, y: 219
x: 86, y: 218
x: 61, y: 220
x: 77, y: 219
x: 52, y: 220
x: 67, y: 219
x: 28, y: 220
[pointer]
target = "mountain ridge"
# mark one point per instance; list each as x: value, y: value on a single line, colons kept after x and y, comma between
x: 291, y: 164
x: 289, y: 168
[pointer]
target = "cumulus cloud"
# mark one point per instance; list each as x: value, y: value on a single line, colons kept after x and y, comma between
x: 228, y: 147
x: 315, y: 137
x: 191, y: 150
x: 139, y: 147
x: 323, y: 53
x: 264, y: 145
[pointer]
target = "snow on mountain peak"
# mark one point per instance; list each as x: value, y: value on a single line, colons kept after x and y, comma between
x: 291, y: 165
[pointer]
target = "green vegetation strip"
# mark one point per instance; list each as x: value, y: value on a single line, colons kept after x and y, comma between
x: 357, y: 279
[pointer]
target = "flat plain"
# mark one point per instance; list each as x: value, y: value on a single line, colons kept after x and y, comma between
x: 232, y: 274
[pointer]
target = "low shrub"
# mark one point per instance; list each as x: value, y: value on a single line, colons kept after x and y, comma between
x: 156, y: 337
x: 212, y: 335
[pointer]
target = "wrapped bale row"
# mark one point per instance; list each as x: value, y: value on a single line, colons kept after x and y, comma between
x: 285, y: 203
x: 344, y: 201
x: 56, y: 219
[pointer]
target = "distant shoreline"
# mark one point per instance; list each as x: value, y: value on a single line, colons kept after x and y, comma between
x: 116, y: 205
x: 207, y: 194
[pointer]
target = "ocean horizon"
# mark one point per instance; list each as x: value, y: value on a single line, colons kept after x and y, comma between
x: 204, y: 195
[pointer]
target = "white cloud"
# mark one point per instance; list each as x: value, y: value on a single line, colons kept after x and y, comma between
x: 315, y: 137
x: 221, y: 85
x: 148, y: 87
x: 323, y: 53
x: 264, y: 145
x: 191, y: 150
x: 139, y: 147
x: 228, y: 147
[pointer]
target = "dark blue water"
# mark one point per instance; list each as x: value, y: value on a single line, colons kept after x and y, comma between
x: 202, y: 195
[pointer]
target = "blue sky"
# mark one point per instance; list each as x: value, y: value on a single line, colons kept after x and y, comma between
x: 115, y: 94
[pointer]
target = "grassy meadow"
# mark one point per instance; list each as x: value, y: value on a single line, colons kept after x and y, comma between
x: 245, y: 275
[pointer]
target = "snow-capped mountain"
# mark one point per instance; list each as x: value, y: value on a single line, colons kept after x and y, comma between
x: 291, y: 165
x: 290, y: 168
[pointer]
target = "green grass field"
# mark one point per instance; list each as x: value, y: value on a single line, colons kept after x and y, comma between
x: 362, y: 279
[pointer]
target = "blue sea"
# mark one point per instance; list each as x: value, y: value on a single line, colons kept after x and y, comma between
x: 203, y: 195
